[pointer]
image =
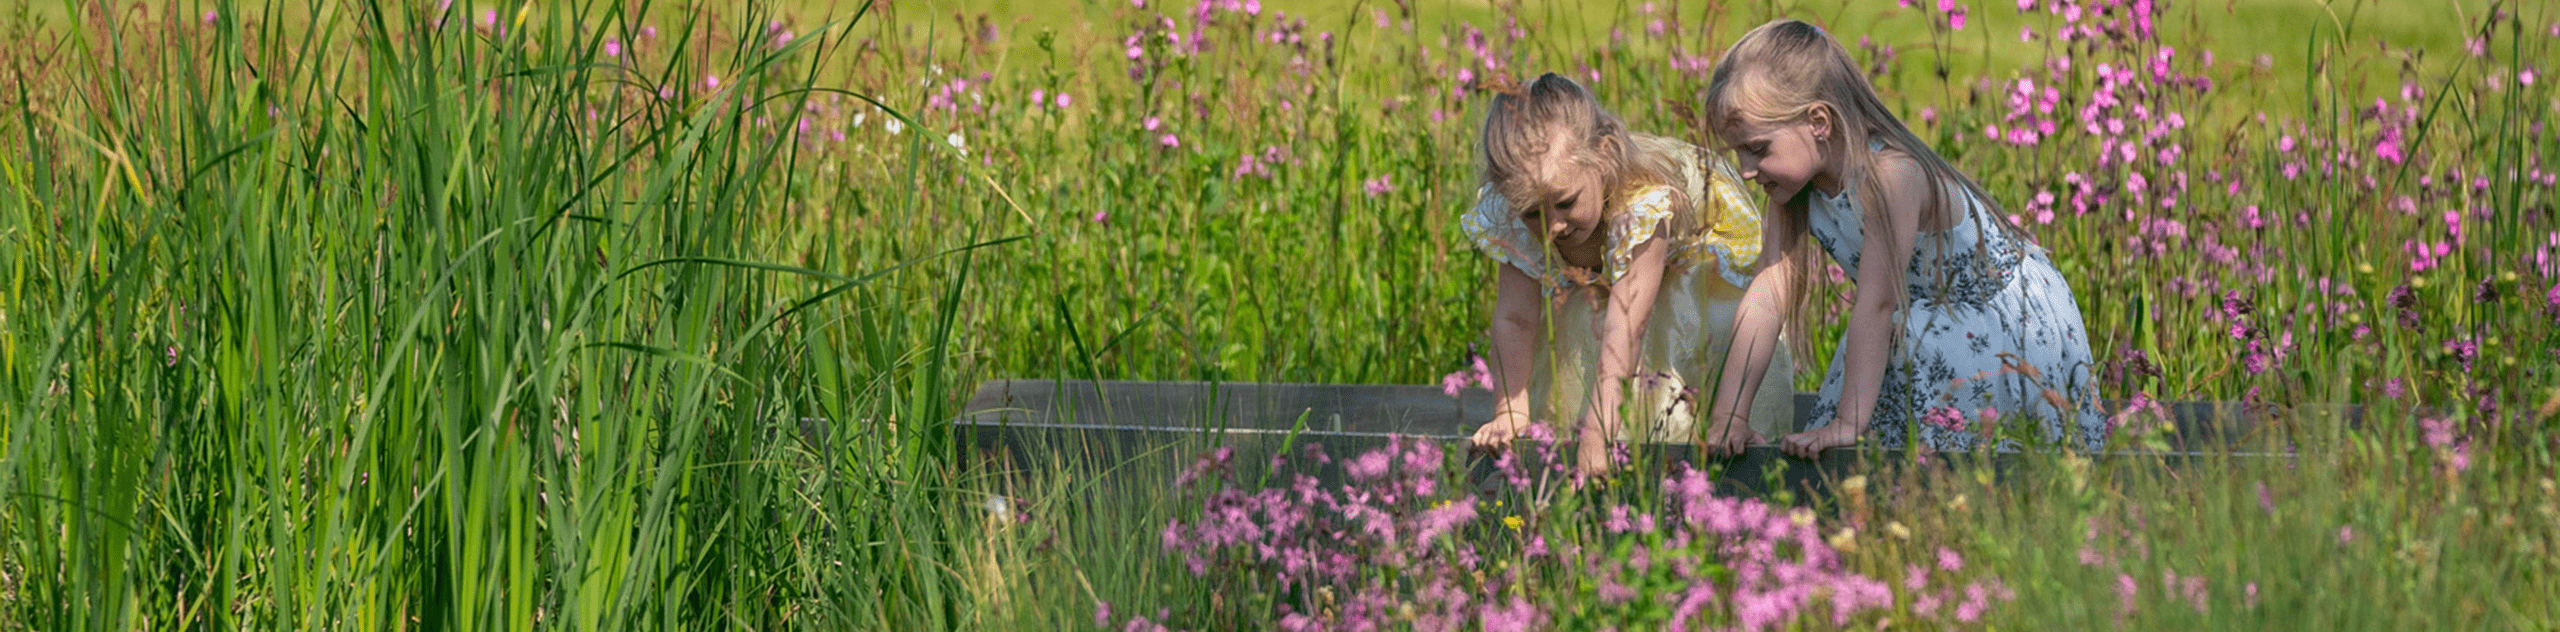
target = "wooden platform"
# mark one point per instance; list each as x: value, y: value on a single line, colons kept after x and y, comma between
x: 1123, y: 421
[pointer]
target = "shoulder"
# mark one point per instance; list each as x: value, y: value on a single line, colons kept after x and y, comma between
x: 1902, y: 176
x: 1651, y: 198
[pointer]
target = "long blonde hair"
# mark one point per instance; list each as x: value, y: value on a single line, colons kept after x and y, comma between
x: 1781, y: 72
x: 1520, y: 129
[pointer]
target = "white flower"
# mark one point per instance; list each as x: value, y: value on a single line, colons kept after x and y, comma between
x: 858, y: 116
x: 894, y: 126
x: 958, y: 143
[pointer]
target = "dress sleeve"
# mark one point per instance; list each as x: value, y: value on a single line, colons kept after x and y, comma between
x: 1646, y: 211
x: 1504, y: 239
x: 1734, y: 241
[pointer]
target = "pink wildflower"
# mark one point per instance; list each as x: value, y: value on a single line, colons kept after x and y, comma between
x: 1064, y: 100
x: 1949, y: 561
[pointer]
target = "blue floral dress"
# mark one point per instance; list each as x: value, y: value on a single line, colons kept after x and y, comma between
x: 1988, y: 325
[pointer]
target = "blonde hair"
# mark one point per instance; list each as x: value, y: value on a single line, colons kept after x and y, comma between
x: 1784, y: 71
x: 1521, y: 128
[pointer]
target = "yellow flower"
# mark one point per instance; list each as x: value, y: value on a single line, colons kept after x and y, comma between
x: 1511, y: 521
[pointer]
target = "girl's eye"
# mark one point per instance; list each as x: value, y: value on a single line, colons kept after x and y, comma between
x: 1566, y: 203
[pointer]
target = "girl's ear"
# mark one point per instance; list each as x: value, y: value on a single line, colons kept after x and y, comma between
x: 1826, y: 124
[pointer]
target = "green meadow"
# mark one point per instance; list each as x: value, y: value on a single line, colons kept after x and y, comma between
x: 389, y: 315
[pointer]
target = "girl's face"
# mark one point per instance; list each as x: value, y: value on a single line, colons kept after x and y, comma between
x: 1573, y: 215
x: 1784, y: 158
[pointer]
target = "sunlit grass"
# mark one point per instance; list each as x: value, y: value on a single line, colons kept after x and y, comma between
x: 565, y: 320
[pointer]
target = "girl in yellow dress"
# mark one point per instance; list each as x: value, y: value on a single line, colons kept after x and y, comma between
x: 1622, y: 259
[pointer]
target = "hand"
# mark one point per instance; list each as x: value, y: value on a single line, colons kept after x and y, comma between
x: 1496, y: 435
x: 1591, y: 458
x: 1729, y: 439
x: 1811, y: 443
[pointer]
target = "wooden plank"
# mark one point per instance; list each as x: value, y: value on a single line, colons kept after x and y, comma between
x: 1120, y: 422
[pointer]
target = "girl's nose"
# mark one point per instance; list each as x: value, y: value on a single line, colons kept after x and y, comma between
x: 1559, y: 228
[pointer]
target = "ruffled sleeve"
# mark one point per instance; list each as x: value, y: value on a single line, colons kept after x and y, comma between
x: 1733, y: 241
x: 1499, y: 236
x: 1646, y: 210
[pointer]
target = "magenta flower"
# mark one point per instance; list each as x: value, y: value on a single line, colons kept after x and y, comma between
x: 210, y: 17
x: 2438, y: 432
x: 1975, y: 601
x: 711, y: 82
x: 1377, y: 186
x: 612, y: 47
x: 1949, y: 561
x: 1519, y: 616
x: 1064, y: 100
x: 1169, y: 141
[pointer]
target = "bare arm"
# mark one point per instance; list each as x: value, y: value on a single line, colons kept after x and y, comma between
x: 1519, y: 322
x: 1756, y: 324
x: 1883, y: 259
x: 1621, y: 333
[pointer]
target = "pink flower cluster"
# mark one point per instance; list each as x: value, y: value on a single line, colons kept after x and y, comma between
x: 1475, y: 374
x: 1700, y: 560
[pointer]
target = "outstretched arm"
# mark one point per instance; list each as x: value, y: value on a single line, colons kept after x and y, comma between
x: 1519, y: 323
x: 1765, y: 307
x: 1621, y: 333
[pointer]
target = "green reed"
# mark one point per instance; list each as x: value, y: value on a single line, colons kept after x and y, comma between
x: 406, y: 319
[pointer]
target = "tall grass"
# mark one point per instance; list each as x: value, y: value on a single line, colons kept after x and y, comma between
x: 613, y: 315
x: 401, y: 318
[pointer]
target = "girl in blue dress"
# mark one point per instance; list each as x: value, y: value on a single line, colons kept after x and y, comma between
x: 1960, y: 318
